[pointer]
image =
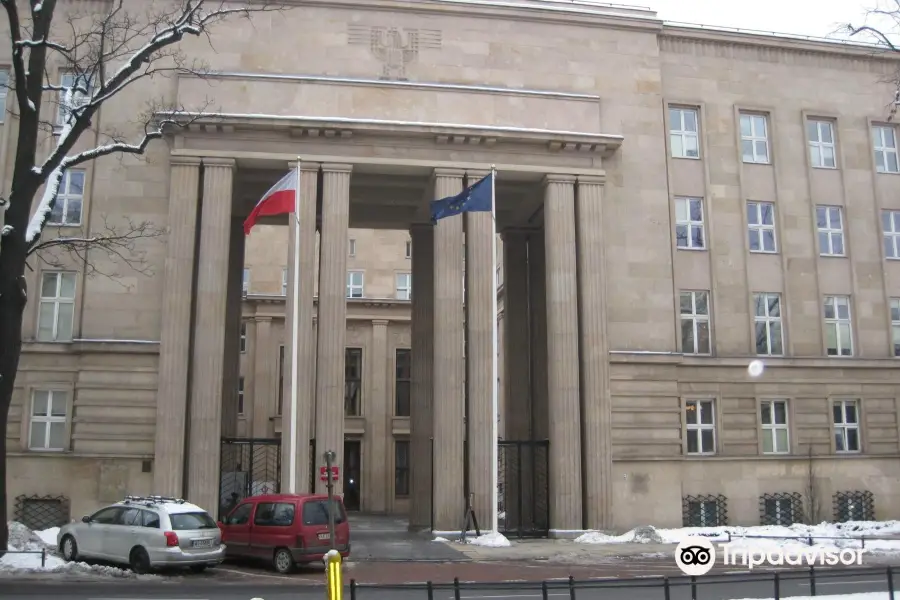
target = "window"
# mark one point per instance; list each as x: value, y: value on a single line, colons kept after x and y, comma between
x: 351, y: 249
x: 401, y: 468
x: 402, y: 382
x: 754, y: 139
x: 4, y: 90
x: 838, y: 332
x: 408, y: 248
x: 404, y: 286
x: 280, y: 378
x: 781, y: 509
x: 890, y: 226
x: 701, y: 427
x: 274, y: 514
x: 352, y: 381
x: 107, y: 516
x: 695, y: 322
x: 773, y: 416
x: 355, y: 284
x: 43, y: 512
x: 846, y: 425
x: 315, y: 512
x: 703, y: 513
x: 240, y: 406
x: 831, y: 230
x: 895, y: 325
x: 149, y: 519
x: 67, y: 208
x: 48, y: 420
x: 683, y: 133
x: 885, y: 149
x: 767, y: 321
x: 56, y: 315
x: 245, y: 284
x: 240, y: 515
x: 854, y: 506
x: 284, y: 281
x: 243, y: 338
x: 191, y: 521
x: 76, y: 93
x: 761, y: 226
x: 821, y: 143
x: 689, y: 232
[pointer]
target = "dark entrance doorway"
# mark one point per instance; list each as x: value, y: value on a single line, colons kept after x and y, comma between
x: 248, y: 467
x: 352, y: 455
x: 524, y: 488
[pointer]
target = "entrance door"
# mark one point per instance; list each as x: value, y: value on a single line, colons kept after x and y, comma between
x: 352, y: 450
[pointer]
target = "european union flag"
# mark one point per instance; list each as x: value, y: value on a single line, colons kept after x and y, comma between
x: 478, y: 197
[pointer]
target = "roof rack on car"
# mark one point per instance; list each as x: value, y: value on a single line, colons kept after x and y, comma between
x: 151, y: 500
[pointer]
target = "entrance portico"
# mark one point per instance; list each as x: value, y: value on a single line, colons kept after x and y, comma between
x: 371, y: 174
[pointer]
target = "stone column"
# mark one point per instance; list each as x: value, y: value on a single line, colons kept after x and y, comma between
x: 562, y: 347
x: 449, y: 361
x: 232, y: 357
x: 306, y: 342
x: 421, y: 421
x: 378, y: 413
x: 175, y: 337
x: 537, y: 302
x: 265, y: 375
x: 332, y: 317
x: 480, y: 320
x: 597, y: 426
x: 209, y: 335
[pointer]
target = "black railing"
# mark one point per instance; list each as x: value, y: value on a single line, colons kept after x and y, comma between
x: 664, y: 584
x: 42, y: 552
x: 810, y: 539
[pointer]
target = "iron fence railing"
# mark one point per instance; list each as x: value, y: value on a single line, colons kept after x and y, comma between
x: 43, y: 554
x: 810, y: 539
x: 571, y: 586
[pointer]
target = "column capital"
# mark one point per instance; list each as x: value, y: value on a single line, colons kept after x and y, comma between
x: 219, y: 162
x: 478, y: 173
x: 337, y: 168
x: 592, y: 180
x: 444, y: 172
x: 558, y: 178
x: 185, y: 161
x: 380, y: 322
x: 305, y: 166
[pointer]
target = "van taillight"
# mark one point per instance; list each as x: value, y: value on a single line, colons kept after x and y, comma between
x: 171, y: 539
x: 300, y: 543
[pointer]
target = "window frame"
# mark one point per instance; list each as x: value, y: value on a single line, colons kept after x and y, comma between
x: 64, y: 196
x: 768, y: 321
x: 352, y: 287
x: 754, y: 137
x: 284, y: 281
x: 697, y: 319
x: 891, y: 235
x: 698, y: 427
x: 240, y: 399
x: 830, y: 231
x: 57, y: 302
x: 767, y: 407
x: 819, y: 144
x: 761, y: 228
x: 401, y: 471
x: 894, y: 314
x: 242, y: 339
x: 245, y: 282
x: 280, y: 393
x: 402, y: 382
x: 48, y: 419
x: 843, y: 427
x: 679, y: 130
x: 408, y: 249
x: 690, y: 224
x: 403, y: 292
x: 351, y: 351
x: 351, y: 247
x: 4, y: 91
x: 880, y: 147
x: 78, y: 99
x: 836, y: 321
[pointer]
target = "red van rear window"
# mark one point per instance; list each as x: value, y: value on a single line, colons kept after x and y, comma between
x: 315, y: 512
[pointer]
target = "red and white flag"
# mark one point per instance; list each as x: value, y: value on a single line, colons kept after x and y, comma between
x: 279, y: 200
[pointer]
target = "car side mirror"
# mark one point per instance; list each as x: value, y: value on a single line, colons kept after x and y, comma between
x: 85, y: 519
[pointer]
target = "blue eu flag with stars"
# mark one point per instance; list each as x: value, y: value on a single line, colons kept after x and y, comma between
x: 478, y: 197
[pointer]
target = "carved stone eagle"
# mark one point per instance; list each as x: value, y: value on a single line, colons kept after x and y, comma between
x: 393, y: 46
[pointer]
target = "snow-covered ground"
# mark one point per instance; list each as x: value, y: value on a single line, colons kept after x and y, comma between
x: 490, y: 539
x: 824, y: 536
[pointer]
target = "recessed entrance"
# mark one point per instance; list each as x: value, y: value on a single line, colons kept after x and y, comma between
x: 352, y: 473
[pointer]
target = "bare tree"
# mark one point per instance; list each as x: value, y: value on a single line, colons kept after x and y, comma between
x: 811, y: 490
x: 881, y: 28
x: 105, y: 53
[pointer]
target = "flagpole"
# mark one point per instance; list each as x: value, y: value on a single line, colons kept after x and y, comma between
x: 495, y: 386
x: 295, y: 336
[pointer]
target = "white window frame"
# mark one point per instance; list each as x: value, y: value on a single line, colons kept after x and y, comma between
x: 754, y: 137
x: 895, y: 326
x: 65, y: 196
x: 4, y: 92
x: 240, y: 403
x: 284, y: 281
x: 79, y: 99
x: 408, y: 249
x: 57, y: 301
x: 771, y: 428
x: 761, y: 228
x: 843, y: 427
x: 48, y: 419
x: 836, y: 302
x: 696, y: 428
x: 890, y: 229
x: 351, y: 247
x: 769, y: 321
x: 819, y: 147
x: 354, y: 288
x: 683, y: 205
x: 883, y: 148
x: 696, y: 319
x: 830, y: 231
x: 245, y: 282
x: 243, y: 342
x: 403, y: 292
x: 678, y: 130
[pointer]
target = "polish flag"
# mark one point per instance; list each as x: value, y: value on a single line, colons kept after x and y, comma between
x: 279, y: 200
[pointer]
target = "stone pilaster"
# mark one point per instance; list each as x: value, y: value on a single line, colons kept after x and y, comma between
x: 175, y: 337
x: 421, y: 409
x: 449, y: 361
x: 232, y: 356
x: 562, y: 347
x: 306, y: 341
x: 537, y: 301
x: 332, y: 317
x: 379, y: 411
x: 597, y: 426
x: 265, y: 374
x: 209, y: 335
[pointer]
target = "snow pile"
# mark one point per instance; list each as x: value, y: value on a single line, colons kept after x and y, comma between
x: 440, y: 539
x: 824, y: 536
x: 492, y: 539
x: 48, y: 536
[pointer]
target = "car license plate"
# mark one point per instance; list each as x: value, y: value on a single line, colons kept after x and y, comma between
x: 202, y: 543
x: 323, y: 536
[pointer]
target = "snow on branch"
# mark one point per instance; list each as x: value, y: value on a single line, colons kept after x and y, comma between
x: 882, y: 27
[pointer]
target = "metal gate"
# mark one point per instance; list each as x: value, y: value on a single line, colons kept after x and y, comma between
x: 249, y: 467
x: 524, y: 488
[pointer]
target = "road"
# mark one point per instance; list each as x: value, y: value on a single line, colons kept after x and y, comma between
x: 709, y: 588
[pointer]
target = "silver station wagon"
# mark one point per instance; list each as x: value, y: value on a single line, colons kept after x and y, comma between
x: 146, y: 532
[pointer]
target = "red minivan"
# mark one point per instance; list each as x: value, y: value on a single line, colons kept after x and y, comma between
x: 285, y: 529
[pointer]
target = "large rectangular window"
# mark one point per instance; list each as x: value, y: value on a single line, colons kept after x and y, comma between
x: 830, y: 226
x: 401, y: 468
x: 355, y: 284
x: 821, y: 143
x: 700, y: 426
x: 683, y: 132
x: 767, y: 321
x: 404, y: 286
x: 403, y: 382
x: 47, y: 429
x: 67, y: 208
x: 280, y: 378
x: 846, y: 425
x: 695, y: 323
x: 895, y: 325
x: 77, y: 91
x: 690, y: 233
x: 755, y: 138
x: 56, y: 315
x: 838, y: 326
x: 773, y: 416
x: 890, y: 228
x: 353, y: 382
x: 761, y: 226
x: 885, y: 139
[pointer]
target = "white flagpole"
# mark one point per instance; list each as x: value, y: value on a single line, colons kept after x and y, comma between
x: 495, y: 386
x: 295, y: 336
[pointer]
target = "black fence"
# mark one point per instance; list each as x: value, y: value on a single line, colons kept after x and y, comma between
x: 249, y: 467
x: 523, y: 484
x: 760, y: 584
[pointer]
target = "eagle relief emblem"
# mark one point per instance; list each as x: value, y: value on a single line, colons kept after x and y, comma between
x: 395, y: 47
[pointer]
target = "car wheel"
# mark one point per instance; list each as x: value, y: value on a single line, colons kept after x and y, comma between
x: 283, y: 561
x: 139, y: 561
x: 198, y: 568
x: 69, y: 549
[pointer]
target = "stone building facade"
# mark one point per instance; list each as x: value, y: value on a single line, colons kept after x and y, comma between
x: 673, y: 202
